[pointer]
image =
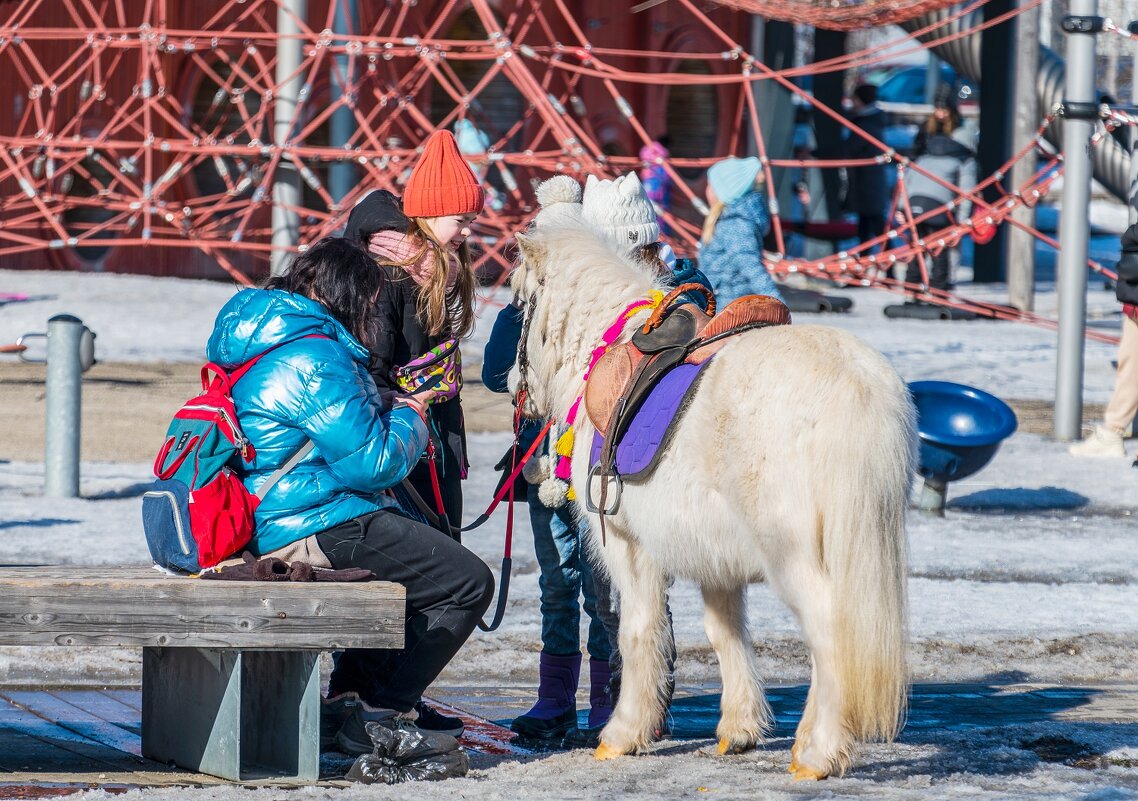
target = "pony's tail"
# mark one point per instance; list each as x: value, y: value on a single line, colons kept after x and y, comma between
x: 866, y: 557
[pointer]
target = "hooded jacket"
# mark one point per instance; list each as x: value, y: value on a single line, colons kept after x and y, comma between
x: 949, y: 160
x: 1126, y: 290
x: 733, y: 259
x: 311, y: 384
x: 400, y: 337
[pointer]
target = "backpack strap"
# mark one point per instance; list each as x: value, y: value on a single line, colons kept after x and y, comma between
x: 231, y: 377
x: 280, y: 472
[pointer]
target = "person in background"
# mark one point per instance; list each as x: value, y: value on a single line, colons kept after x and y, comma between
x: 657, y: 184
x: 866, y: 191
x: 314, y: 325
x: 427, y: 301
x: 939, y: 153
x: 731, y: 248
x: 1107, y: 438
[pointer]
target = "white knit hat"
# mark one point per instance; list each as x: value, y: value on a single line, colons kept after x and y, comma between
x: 620, y: 211
x: 560, y: 199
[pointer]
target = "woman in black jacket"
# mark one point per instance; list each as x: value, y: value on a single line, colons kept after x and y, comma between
x: 427, y: 302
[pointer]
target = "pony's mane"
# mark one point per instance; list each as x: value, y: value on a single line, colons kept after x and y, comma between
x: 584, y: 286
x: 575, y: 248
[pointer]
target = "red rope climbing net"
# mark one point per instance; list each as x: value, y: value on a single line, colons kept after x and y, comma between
x: 148, y: 124
x: 841, y: 15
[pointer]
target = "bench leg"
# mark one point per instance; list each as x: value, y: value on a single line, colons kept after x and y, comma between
x: 233, y: 713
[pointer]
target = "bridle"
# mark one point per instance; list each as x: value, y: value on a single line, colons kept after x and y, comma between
x: 522, y: 395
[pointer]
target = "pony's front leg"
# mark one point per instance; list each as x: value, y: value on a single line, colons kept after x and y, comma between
x: 744, y: 716
x: 643, y: 645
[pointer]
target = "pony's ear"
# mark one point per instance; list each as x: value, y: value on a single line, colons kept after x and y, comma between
x: 532, y: 251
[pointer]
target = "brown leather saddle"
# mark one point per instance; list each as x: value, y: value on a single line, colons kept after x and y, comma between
x: 674, y: 334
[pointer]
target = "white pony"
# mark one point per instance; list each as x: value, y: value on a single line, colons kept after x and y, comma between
x: 791, y: 465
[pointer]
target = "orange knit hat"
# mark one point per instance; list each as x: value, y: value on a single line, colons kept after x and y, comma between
x: 441, y: 182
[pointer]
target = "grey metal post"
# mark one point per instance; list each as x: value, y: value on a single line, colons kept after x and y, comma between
x: 1021, y: 244
x: 286, y: 185
x: 1074, y: 227
x: 932, y: 78
x: 64, y: 390
x: 342, y: 174
x: 933, y: 496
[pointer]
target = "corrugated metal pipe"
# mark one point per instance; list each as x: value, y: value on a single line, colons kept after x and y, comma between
x: 1111, y: 160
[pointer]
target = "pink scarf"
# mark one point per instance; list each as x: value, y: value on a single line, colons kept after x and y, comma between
x: 392, y: 246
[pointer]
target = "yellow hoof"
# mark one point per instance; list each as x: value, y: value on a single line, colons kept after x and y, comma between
x: 606, y: 751
x: 728, y: 747
x: 805, y: 773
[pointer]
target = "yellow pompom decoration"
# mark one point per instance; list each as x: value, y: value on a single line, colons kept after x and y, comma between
x: 564, y: 446
x: 571, y: 495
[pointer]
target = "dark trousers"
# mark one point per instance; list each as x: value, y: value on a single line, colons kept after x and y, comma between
x: 448, y: 590
x: 938, y: 266
x: 870, y: 226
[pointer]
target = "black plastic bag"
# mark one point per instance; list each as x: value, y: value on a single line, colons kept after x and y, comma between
x: 408, y: 755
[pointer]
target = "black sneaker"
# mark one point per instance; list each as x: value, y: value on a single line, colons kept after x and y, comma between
x: 353, y: 739
x: 432, y: 721
x: 334, y: 713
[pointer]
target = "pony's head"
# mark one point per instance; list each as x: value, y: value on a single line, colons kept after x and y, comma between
x: 571, y: 284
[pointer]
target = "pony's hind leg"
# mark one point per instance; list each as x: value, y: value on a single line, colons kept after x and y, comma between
x: 744, y: 716
x: 643, y: 645
x: 823, y: 744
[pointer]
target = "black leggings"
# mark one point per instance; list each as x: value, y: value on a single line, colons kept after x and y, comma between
x: 448, y: 590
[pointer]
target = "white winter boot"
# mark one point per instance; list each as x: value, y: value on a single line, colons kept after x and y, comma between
x: 1101, y: 442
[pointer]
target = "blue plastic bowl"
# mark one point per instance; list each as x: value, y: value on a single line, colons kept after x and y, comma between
x: 960, y: 427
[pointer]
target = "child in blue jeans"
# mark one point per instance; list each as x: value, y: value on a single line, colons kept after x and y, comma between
x: 567, y: 582
x: 621, y: 213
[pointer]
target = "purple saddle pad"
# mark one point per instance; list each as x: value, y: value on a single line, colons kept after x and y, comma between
x: 651, y: 428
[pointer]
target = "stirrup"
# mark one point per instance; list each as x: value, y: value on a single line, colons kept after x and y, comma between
x: 612, y: 498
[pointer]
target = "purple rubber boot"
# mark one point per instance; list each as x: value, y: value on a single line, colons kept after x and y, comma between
x: 555, y: 712
x: 602, y: 692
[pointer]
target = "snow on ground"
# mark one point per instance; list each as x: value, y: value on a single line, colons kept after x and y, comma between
x: 1029, y: 577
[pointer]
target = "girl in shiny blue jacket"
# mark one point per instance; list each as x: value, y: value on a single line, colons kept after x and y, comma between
x: 314, y: 324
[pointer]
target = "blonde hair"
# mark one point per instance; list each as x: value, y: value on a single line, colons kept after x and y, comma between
x: 709, y: 222
x: 442, y: 309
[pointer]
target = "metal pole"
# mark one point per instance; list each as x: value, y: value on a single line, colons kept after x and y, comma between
x: 342, y: 174
x: 286, y: 185
x: 64, y: 391
x: 1021, y: 244
x: 1074, y: 224
x: 932, y: 78
x: 933, y: 496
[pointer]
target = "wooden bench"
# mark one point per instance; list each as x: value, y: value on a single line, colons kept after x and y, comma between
x: 230, y: 669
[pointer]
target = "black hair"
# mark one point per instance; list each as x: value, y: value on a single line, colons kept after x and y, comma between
x: 342, y: 277
x: 866, y: 93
